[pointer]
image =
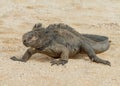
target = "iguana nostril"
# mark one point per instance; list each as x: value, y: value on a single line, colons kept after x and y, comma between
x: 24, y: 41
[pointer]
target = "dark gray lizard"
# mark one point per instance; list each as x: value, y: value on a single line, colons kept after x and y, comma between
x: 60, y: 40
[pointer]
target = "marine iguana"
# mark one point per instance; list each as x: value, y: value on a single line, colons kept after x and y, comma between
x: 61, y: 40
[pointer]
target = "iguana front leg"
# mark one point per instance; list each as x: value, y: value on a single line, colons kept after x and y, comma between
x: 58, y: 62
x: 26, y: 56
x: 63, y: 57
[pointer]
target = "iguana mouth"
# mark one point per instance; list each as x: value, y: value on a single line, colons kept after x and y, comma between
x: 26, y: 44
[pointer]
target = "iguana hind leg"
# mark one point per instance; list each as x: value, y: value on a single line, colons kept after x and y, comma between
x: 91, y: 53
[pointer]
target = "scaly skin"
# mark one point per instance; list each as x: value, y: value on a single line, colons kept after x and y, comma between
x: 60, y: 40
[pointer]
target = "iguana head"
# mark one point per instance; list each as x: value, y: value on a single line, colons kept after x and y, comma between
x: 33, y: 38
x: 29, y: 39
x: 38, y: 37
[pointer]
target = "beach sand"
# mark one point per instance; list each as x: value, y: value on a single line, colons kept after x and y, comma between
x: 101, y: 17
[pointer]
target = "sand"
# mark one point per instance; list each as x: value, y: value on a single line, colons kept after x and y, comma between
x: 101, y: 17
